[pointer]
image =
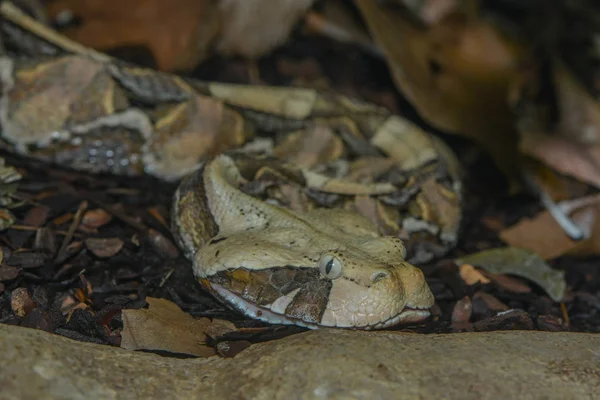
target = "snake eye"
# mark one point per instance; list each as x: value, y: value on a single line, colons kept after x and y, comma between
x: 330, y: 266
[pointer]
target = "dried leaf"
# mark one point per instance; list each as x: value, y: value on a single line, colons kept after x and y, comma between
x: 163, y: 326
x: 187, y: 28
x: 542, y: 234
x: 104, y: 247
x: 510, y: 283
x: 523, y: 263
x: 456, y: 73
x: 220, y: 327
x: 471, y: 276
x: 93, y: 219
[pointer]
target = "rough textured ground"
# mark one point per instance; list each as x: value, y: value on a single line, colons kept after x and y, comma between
x: 323, y: 364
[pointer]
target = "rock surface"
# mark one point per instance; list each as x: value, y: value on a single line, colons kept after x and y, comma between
x: 323, y: 364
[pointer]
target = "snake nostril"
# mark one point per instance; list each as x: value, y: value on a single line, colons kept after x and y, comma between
x: 378, y: 276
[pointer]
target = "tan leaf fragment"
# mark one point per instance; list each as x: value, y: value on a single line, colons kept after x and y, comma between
x: 544, y: 236
x: 471, y: 276
x: 164, y: 326
x: 220, y: 327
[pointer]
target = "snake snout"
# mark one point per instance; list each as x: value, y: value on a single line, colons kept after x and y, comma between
x: 378, y: 276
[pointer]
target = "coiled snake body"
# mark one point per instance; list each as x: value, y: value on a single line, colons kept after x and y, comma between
x: 278, y: 230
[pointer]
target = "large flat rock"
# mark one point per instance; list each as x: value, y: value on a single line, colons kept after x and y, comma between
x: 323, y: 364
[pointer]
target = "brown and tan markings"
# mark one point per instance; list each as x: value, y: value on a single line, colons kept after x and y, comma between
x: 297, y: 206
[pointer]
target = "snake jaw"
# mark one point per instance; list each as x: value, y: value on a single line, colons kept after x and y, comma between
x: 268, y: 314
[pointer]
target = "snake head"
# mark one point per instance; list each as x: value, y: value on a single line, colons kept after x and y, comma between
x: 340, y: 287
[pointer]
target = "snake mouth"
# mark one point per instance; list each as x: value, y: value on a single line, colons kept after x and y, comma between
x: 263, y: 313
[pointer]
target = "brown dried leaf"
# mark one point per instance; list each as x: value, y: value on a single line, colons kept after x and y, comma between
x: 163, y: 326
x: 471, y: 276
x: 93, y: 219
x: 220, y: 327
x: 510, y: 283
x: 456, y: 73
x: 542, y: 234
x: 104, y: 247
x: 177, y: 32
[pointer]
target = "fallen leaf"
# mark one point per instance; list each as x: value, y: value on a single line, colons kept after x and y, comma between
x: 163, y: 326
x: 471, y: 276
x: 177, y: 32
x: 93, y: 219
x: 522, y: 263
x: 456, y: 73
x: 544, y: 236
x: 104, y: 247
x: 509, y: 283
x: 220, y: 327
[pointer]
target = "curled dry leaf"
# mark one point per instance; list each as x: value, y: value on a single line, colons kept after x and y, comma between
x: 164, y: 326
x: 104, y: 247
x: 522, y: 263
x: 542, y: 234
x: 455, y: 72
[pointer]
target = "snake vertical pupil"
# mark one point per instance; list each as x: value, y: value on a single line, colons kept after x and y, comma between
x: 329, y: 266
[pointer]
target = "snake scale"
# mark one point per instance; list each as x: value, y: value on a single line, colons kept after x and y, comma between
x: 295, y: 206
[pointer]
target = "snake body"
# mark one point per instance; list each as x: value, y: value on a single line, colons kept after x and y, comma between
x: 279, y: 231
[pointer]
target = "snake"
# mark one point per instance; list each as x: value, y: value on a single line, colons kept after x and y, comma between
x: 294, y: 205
